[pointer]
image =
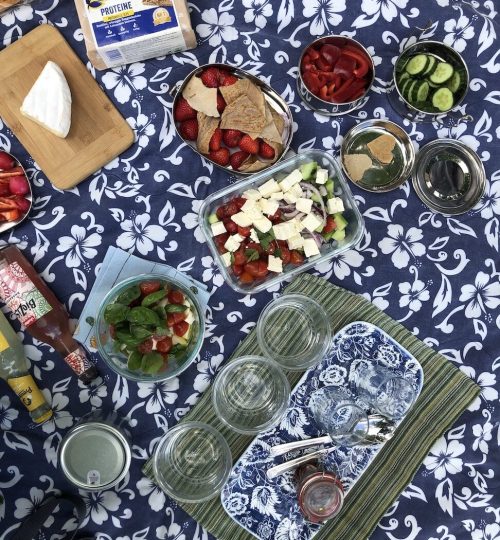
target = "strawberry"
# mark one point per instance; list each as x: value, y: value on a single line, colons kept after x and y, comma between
x: 231, y: 137
x: 216, y: 140
x: 226, y: 79
x: 221, y: 104
x: 249, y: 145
x: 210, y: 77
x: 221, y: 156
x: 183, y: 111
x: 189, y: 129
x: 237, y: 159
x: 266, y: 151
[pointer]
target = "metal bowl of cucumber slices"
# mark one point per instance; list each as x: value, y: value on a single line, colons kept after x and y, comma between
x: 430, y: 79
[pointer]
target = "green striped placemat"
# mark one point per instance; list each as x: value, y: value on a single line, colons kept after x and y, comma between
x: 447, y: 392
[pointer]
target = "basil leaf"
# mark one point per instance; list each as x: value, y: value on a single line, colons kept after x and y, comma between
x: 175, y: 308
x: 115, y: 313
x: 143, y: 315
x: 265, y: 238
x: 152, y: 298
x: 160, y: 331
x: 252, y: 255
x: 134, y: 361
x: 129, y: 295
x: 151, y: 362
x: 127, y: 338
x: 140, y: 331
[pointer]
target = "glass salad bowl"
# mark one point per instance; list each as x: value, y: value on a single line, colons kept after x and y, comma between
x: 149, y: 328
x: 288, y: 260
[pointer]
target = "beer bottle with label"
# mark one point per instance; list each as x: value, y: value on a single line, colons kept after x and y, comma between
x: 14, y: 369
x: 37, y: 308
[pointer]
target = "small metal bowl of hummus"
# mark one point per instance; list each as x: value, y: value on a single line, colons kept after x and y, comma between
x: 377, y: 155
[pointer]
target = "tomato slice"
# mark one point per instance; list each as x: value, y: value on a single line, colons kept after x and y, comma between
x: 244, y: 231
x: 181, y: 328
x: 296, y: 257
x: 246, y: 278
x: 285, y: 255
x: 240, y: 201
x: 231, y: 226
x: 330, y: 225
x: 237, y: 269
x: 148, y: 287
x: 239, y: 257
x: 174, y: 318
x: 257, y: 269
x: 164, y: 345
x: 175, y: 297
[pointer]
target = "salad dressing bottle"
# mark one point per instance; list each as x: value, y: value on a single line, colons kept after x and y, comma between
x: 14, y: 370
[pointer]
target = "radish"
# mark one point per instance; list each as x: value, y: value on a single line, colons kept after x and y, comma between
x: 6, y: 161
x: 18, y: 185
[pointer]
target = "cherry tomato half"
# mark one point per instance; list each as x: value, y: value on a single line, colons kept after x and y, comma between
x: 181, y: 328
x: 257, y: 269
x: 175, y: 297
x: 148, y: 287
x: 174, y: 318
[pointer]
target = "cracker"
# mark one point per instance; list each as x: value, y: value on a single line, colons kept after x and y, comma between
x: 242, y: 114
x: 270, y: 130
x: 244, y: 87
x: 206, y: 127
x: 279, y: 121
x: 200, y: 97
x: 381, y: 148
x: 357, y: 165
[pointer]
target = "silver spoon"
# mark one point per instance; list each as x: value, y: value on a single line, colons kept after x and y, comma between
x: 277, y: 470
x: 377, y: 423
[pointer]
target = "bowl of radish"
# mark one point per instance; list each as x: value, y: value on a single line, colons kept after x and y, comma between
x: 15, y: 192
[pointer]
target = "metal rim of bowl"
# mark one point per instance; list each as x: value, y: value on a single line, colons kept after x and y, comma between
x: 355, y: 43
x: 110, y: 296
x: 409, y: 165
x: 452, y: 52
x: 471, y: 154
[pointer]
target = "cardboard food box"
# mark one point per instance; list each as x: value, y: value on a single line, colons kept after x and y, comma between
x: 120, y: 32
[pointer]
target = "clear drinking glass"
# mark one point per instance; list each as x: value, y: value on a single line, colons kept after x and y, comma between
x: 386, y: 392
x: 294, y: 330
x: 191, y: 462
x: 336, y: 414
x: 251, y: 394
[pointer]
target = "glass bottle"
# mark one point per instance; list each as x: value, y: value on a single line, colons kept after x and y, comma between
x: 14, y: 370
x: 37, y: 308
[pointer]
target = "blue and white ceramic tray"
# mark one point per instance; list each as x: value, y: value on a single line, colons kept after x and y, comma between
x: 268, y: 509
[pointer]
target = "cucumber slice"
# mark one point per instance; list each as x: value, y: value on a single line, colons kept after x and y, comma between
x: 443, y: 99
x: 421, y: 92
x: 410, y: 88
x: 455, y: 82
x: 431, y: 66
x: 340, y: 221
x: 403, y: 77
x: 404, y: 86
x: 417, y: 64
x: 442, y: 73
x: 433, y: 85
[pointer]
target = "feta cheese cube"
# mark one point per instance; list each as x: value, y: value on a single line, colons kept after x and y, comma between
x: 321, y: 176
x: 335, y: 205
x: 296, y: 190
x: 233, y: 242
x: 311, y: 222
x: 310, y: 247
x: 218, y: 228
x: 297, y: 224
x: 253, y: 235
x: 290, y: 197
x: 296, y: 242
x: 226, y: 259
x: 189, y: 316
x: 293, y: 178
x: 242, y: 219
x: 283, y: 231
x: 304, y: 205
x: 275, y: 264
x: 262, y: 224
x: 271, y: 186
x: 269, y: 206
x: 252, y: 210
x: 252, y: 194
x: 278, y: 195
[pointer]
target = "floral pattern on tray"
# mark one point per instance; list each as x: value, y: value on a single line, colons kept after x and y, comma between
x: 268, y: 509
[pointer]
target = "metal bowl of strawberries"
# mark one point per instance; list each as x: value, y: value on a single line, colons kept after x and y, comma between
x: 15, y: 192
x: 335, y: 74
x: 232, y: 118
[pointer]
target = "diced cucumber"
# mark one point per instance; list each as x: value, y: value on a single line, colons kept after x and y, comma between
x: 417, y: 64
x: 178, y: 340
x: 431, y: 66
x: 308, y: 169
x: 338, y: 235
x: 315, y: 198
x: 455, y: 82
x: 329, y: 187
x: 442, y: 99
x: 212, y: 218
x: 442, y: 73
x: 340, y: 221
x: 421, y: 92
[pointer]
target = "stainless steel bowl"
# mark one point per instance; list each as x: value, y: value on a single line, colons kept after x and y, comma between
x: 445, y: 54
x: 6, y: 225
x: 274, y: 100
x: 403, y: 143
x: 326, y: 107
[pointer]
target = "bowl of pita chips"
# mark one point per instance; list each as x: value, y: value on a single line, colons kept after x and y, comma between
x: 377, y: 155
x: 232, y: 118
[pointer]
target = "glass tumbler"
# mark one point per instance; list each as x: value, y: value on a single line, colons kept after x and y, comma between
x: 191, y: 462
x: 336, y: 414
x: 294, y: 330
x: 251, y: 394
x: 386, y: 392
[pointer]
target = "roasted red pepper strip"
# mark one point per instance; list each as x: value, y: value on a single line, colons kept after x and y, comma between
x: 341, y: 93
x: 360, y: 58
x: 347, y: 92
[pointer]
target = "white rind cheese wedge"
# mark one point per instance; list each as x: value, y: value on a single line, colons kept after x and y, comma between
x: 48, y: 103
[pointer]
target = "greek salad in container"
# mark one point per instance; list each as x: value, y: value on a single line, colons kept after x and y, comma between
x: 281, y: 222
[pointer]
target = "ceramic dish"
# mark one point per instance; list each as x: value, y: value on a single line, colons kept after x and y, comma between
x: 258, y: 500
x: 380, y: 177
x: 273, y: 99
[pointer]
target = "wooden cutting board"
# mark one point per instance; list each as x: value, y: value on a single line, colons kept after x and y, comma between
x: 98, y: 131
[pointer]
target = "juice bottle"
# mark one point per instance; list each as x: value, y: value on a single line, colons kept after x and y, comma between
x: 37, y: 308
x: 14, y: 369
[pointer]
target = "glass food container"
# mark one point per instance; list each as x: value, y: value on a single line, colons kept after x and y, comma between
x: 354, y: 230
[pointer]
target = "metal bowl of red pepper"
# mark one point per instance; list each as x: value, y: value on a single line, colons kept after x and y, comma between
x: 335, y: 74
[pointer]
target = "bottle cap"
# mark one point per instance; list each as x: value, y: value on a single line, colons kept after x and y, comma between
x: 45, y: 416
